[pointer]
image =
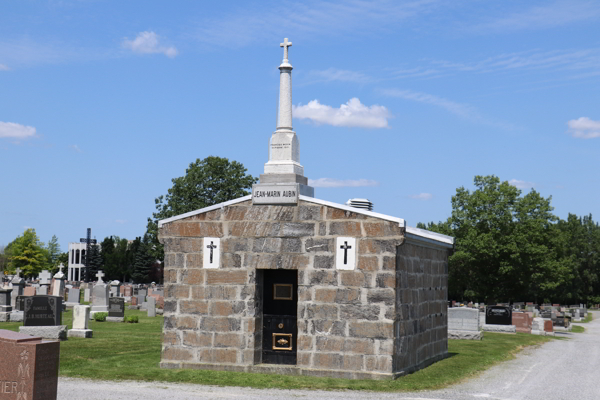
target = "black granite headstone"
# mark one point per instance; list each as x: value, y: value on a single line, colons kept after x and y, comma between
x: 42, y: 311
x: 498, y: 315
x: 116, y: 307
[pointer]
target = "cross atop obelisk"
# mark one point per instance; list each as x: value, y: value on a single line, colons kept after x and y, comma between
x: 284, y: 165
x: 285, y: 46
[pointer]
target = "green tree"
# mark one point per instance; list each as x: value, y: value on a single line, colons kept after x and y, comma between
x: 94, y: 261
x: 53, y: 248
x: 144, y: 260
x: 206, y: 182
x: 28, y: 254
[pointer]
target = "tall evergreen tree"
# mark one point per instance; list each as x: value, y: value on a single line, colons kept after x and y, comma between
x: 143, y: 261
x: 94, y: 260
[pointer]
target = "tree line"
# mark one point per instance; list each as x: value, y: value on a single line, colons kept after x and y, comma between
x: 511, y: 247
x: 119, y: 259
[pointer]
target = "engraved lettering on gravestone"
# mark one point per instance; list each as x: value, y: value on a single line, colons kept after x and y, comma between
x: 211, y: 246
x: 345, y: 247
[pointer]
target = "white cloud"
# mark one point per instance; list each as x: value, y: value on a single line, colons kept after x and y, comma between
x: 330, y: 182
x: 148, y: 43
x: 4, y: 68
x: 584, y: 128
x: 422, y: 196
x: 16, y: 131
x: 351, y: 114
x: 521, y: 184
x: 76, y: 148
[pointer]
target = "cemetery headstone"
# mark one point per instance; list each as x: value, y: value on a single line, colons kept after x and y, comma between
x: 18, y: 285
x: 499, y: 319
x: 29, y: 369
x: 74, y: 296
x: 81, y: 315
x: 86, y: 295
x: 29, y: 291
x: 58, y: 282
x: 151, y: 307
x: 100, y: 296
x: 114, y: 288
x: 522, y: 321
x: 5, y: 307
x: 42, y: 316
x: 116, y: 309
x: 463, y: 323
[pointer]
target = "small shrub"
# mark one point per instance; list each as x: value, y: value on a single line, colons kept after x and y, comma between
x: 132, y: 319
x: 100, y: 317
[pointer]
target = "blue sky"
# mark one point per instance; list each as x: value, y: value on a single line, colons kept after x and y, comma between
x: 102, y: 103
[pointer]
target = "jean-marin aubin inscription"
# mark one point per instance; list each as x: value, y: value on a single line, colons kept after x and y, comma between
x: 275, y: 194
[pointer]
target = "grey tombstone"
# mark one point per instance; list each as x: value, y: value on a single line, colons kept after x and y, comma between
x: 5, y: 307
x: 116, y: 309
x: 464, y: 323
x: 100, y: 296
x: 43, y: 316
x: 86, y: 295
x: 74, y: 296
x: 18, y: 286
x: 115, y: 289
x: 42, y: 290
x: 151, y: 307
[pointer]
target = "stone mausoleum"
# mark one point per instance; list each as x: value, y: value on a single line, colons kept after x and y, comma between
x: 280, y: 281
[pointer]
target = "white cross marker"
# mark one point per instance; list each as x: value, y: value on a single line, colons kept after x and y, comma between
x: 99, y: 275
x: 285, y: 46
x: 18, y: 273
x: 45, y: 277
x: 60, y: 267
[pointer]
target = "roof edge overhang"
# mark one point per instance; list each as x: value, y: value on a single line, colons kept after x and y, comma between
x: 417, y: 234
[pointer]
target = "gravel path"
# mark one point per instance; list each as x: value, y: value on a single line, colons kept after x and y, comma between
x: 558, y: 370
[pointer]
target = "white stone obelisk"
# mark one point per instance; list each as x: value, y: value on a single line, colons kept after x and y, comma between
x: 284, y: 148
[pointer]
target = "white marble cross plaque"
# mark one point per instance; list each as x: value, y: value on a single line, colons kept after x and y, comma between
x: 345, y: 253
x: 45, y: 277
x: 212, y: 252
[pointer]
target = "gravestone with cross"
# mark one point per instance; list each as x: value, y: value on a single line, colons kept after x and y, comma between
x: 45, y: 280
x: 345, y: 253
x: 58, y: 282
x: 100, y: 295
x: 212, y: 252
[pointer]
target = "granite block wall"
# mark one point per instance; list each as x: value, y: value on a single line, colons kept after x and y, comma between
x: 347, y: 320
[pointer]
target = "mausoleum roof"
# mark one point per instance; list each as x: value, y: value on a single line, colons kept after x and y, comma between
x: 411, y: 232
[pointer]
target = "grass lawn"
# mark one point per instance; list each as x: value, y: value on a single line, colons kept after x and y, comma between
x: 122, y: 351
x: 577, y: 329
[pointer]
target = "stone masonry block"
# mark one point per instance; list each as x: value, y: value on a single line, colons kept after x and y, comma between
x: 227, y: 308
x: 183, y: 245
x: 225, y: 356
x: 368, y: 263
x: 323, y: 262
x: 347, y: 228
x: 228, y: 340
x: 235, y: 213
x: 321, y: 311
x: 328, y: 327
x: 186, y: 322
x: 254, y: 229
x: 174, y: 260
x: 193, y: 260
x: 291, y: 245
x: 170, y: 276
x: 232, y: 245
x: 298, y: 229
x: 323, y: 277
x: 267, y: 245
x: 194, y: 229
x: 353, y: 279
x: 378, y: 246
x: 214, y: 293
x: 315, y: 245
x: 197, y: 339
x: 229, y: 260
x: 376, y: 330
x: 327, y: 343
x: 359, y: 312
x: 193, y: 307
x: 386, y: 280
x: 170, y: 338
x: 309, y: 213
x: 305, y: 342
x: 270, y: 213
x: 304, y: 293
x: 328, y: 360
x: 379, y: 363
x: 215, y: 277
x: 220, y: 324
x: 359, y: 346
x: 173, y: 353
x: 336, y: 213
x: 374, y: 229
x: 193, y: 277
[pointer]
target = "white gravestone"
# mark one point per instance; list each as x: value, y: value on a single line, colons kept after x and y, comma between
x: 151, y: 306
x: 58, y: 285
x: 345, y: 253
x: 81, y: 315
x: 464, y: 323
x: 211, y: 252
x: 100, y: 296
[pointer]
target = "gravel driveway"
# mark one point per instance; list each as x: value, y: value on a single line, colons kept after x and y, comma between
x: 557, y: 370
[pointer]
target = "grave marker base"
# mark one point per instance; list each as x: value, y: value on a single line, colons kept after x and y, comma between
x: 80, y: 333
x: 58, y: 332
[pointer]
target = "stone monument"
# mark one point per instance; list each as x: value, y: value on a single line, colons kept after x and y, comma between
x: 58, y: 282
x: 100, y: 296
x: 5, y: 307
x: 81, y: 315
x: 18, y: 285
x: 284, y: 178
x: 45, y: 280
